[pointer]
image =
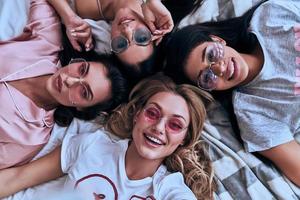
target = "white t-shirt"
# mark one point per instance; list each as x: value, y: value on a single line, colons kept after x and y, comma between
x: 268, y: 108
x: 95, y: 165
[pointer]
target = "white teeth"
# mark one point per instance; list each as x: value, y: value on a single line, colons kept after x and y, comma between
x: 155, y: 140
x: 126, y: 21
x: 231, y: 69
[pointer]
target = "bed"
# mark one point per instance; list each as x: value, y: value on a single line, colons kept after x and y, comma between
x: 239, y: 175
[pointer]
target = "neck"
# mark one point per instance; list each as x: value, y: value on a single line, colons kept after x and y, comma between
x: 255, y: 61
x: 40, y: 94
x: 138, y: 167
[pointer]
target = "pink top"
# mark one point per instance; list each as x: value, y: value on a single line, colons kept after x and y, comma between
x: 24, y: 127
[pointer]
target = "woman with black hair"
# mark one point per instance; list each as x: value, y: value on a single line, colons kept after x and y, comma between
x: 257, y: 56
x: 137, y: 27
x: 32, y: 86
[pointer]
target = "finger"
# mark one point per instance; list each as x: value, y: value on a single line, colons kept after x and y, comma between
x: 165, y: 24
x: 82, y: 27
x: 151, y: 26
x: 89, y: 44
x: 158, y: 41
x: 158, y: 32
x: 156, y: 37
x: 81, y: 34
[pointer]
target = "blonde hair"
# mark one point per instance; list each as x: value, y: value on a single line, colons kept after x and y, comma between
x: 191, y: 158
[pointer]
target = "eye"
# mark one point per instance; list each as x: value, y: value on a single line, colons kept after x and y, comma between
x: 83, y: 69
x: 152, y: 113
x: 214, y: 53
x: 210, y: 56
x: 121, y: 43
x: 142, y: 36
x: 175, y: 125
x: 207, y: 79
x: 84, y: 92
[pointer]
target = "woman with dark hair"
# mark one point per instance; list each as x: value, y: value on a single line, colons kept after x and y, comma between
x: 33, y: 85
x: 161, y: 152
x: 137, y: 27
x: 257, y: 56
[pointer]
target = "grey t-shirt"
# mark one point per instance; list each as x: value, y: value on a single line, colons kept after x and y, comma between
x: 268, y: 108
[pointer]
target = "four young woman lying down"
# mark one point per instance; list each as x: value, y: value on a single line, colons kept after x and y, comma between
x: 161, y: 155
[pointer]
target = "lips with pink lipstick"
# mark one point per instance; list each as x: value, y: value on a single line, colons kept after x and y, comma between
x: 232, y: 69
x: 153, y: 140
x: 58, y: 83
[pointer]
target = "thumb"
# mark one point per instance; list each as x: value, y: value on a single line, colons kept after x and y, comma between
x: 151, y: 26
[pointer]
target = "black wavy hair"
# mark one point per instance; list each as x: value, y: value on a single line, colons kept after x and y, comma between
x: 63, y: 115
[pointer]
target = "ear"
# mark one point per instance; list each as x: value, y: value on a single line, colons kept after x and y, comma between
x: 217, y: 39
x: 136, y: 116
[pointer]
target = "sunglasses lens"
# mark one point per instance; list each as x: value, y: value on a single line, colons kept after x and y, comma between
x: 152, y: 114
x: 207, y: 80
x: 119, y: 44
x: 142, y: 36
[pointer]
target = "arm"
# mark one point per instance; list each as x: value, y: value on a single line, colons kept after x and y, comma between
x: 44, y: 169
x: 78, y: 30
x: 286, y: 158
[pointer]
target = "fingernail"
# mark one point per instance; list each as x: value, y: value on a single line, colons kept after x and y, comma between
x: 73, y: 34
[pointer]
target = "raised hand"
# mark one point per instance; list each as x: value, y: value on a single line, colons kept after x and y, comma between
x: 158, y: 18
x: 79, y: 33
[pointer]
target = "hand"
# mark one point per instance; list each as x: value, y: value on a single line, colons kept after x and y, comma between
x: 79, y: 33
x: 158, y: 18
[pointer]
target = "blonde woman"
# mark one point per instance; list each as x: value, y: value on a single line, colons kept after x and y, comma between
x: 162, y: 156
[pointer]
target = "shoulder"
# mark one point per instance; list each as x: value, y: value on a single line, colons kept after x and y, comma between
x: 85, y: 141
x: 275, y: 10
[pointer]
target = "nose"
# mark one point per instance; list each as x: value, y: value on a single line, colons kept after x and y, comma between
x: 70, y: 81
x: 127, y: 31
x: 219, y: 68
x: 160, y: 126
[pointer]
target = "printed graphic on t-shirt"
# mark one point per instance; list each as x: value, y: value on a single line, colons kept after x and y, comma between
x: 297, y: 59
x: 99, y: 186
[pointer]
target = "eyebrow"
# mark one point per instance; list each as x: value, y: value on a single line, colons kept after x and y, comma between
x: 174, y: 115
x: 203, y: 54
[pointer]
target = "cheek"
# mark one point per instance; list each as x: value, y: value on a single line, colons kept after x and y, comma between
x: 176, y: 140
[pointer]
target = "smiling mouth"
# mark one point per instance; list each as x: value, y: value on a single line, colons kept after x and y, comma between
x: 153, y: 140
x: 58, y: 83
x: 125, y: 20
x: 231, y: 69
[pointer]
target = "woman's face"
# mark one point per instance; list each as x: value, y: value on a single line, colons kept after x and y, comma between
x: 161, y: 126
x: 80, y: 84
x: 227, y: 67
x: 128, y: 28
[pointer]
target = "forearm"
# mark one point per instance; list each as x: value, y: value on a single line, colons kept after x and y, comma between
x: 286, y: 158
x: 44, y: 169
x: 63, y: 9
x: 7, y: 182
